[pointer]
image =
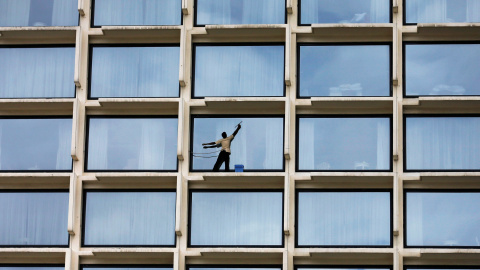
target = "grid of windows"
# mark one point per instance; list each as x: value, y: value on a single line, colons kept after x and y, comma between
x: 351, y: 129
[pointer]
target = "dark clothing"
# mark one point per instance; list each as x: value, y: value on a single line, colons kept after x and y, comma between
x: 223, y: 156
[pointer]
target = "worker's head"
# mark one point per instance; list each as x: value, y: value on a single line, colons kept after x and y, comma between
x: 224, y: 134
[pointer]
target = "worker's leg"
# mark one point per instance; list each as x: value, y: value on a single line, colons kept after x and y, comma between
x: 227, y: 162
x: 219, y: 162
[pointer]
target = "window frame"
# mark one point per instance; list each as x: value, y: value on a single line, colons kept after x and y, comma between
x: 111, y: 190
x: 192, y: 126
x: 404, y: 134
x: 37, y: 246
x: 436, y: 190
x: 93, y: 25
x: 33, y: 46
x: 231, y: 44
x: 33, y: 265
x: 123, y: 45
x: 299, y: 18
x: 196, y: 24
x: 443, y: 266
x: 404, y: 63
x: 297, y: 137
x: 123, y: 265
x: 222, y: 190
x: 37, y: 117
x: 343, y: 266
x: 87, y: 130
x: 350, y: 190
x: 346, y: 44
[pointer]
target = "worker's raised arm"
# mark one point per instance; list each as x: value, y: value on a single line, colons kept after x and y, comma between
x: 236, y: 130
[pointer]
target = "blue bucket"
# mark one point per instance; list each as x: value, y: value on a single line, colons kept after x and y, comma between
x: 238, y: 168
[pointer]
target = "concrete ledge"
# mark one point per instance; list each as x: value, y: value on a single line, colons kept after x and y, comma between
x: 38, y: 255
x: 238, y: 105
x: 346, y: 255
x: 448, y: 180
x: 61, y: 34
x: 130, y: 180
x: 237, y: 180
x: 59, y: 106
x: 35, y: 180
x: 127, y: 255
x: 344, y: 179
x: 355, y: 30
x: 467, y: 31
x: 122, y: 106
x: 272, y: 253
x: 347, y: 102
x: 168, y: 31
x: 453, y: 104
x: 443, y: 256
x: 265, y: 30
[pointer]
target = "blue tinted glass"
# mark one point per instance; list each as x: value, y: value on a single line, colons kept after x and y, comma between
x: 137, y: 12
x: 130, y: 218
x: 135, y: 72
x: 344, y: 11
x: 38, y: 13
x: 35, y: 144
x: 442, y: 11
x: 442, y: 69
x: 351, y: 144
x: 239, y: 71
x: 344, y: 218
x: 240, y: 12
x: 37, y: 72
x: 443, y: 143
x: 258, y: 144
x: 132, y: 144
x: 446, y: 219
x: 236, y: 219
x: 33, y: 219
x: 345, y: 70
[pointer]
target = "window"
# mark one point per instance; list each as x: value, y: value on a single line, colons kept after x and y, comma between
x: 136, y: 12
x: 338, y: 143
x: 132, y: 144
x: 139, y: 71
x: 442, y: 11
x: 129, y: 218
x: 442, y: 218
x: 30, y: 267
x: 33, y: 218
x: 344, y: 70
x: 344, y: 11
x: 344, y: 218
x: 34, y: 144
x: 442, y: 143
x: 441, y: 69
x: 239, y: 12
x: 37, y: 72
x: 236, y: 218
x: 38, y: 13
x: 258, y: 145
x: 238, y: 70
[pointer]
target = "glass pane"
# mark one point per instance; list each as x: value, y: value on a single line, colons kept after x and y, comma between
x: 344, y: 218
x: 33, y: 218
x: 137, y: 12
x: 35, y: 144
x: 344, y: 11
x: 240, y: 12
x: 135, y: 72
x: 345, y: 70
x: 258, y: 144
x: 239, y: 71
x: 236, y: 219
x: 349, y: 144
x: 129, y: 218
x: 442, y: 69
x: 131, y: 144
x: 38, y: 13
x: 443, y: 143
x: 37, y: 72
x: 443, y: 219
x: 442, y: 11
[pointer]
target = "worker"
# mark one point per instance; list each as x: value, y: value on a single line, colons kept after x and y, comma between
x: 224, y: 155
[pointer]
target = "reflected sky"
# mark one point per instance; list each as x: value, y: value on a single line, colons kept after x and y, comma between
x: 240, y: 12
x: 343, y: 218
x: 135, y: 72
x: 33, y: 219
x: 37, y: 72
x: 442, y: 11
x: 137, y: 12
x: 442, y: 69
x: 344, y: 11
x: 236, y: 218
x: 258, y: 145
x: 35, y: 144
x: 443, y: 219
x: 344, y: 144
x: 38, y: 13
x: 130, y: 218
x: 239, y: 71
x: 345, y: 70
